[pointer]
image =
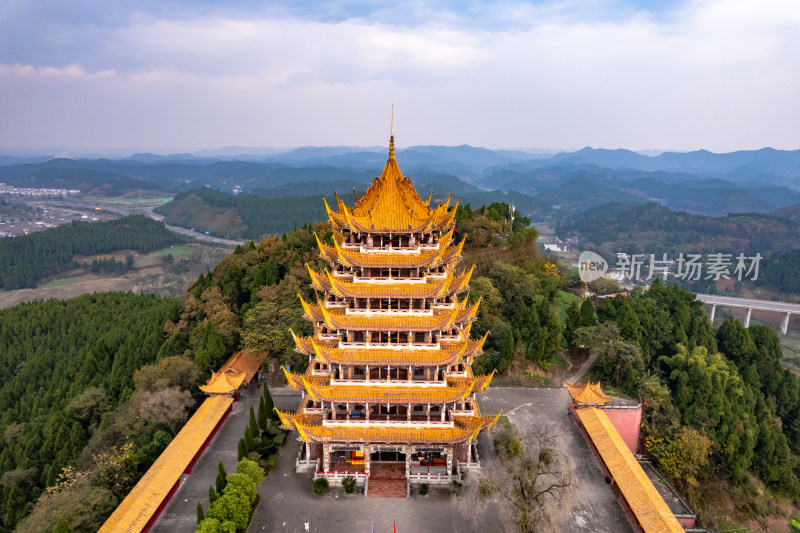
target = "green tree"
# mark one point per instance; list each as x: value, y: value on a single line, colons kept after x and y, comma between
x: 587, y: 317
x: 571, y: 321
x: 252, y: 470
x: 263, y: 417
x: 63, y: 527
x: 200, y: 513
x: 629, y: 326
x: 254, y: 431
x: 269, y: 405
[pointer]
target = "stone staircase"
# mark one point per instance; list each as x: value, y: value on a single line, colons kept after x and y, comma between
x: 387, y: 480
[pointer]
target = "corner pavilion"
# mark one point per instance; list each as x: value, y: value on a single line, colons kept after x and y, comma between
x: 389, y: 386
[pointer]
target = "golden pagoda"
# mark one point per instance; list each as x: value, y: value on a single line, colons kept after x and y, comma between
x: 389, y: 386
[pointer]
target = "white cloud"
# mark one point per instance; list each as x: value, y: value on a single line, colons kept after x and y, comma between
x: 720, y: 74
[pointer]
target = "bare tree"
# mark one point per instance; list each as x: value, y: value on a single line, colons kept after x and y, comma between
x: 530, y: 479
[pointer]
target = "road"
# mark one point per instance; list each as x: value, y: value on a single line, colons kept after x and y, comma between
x: 765, y: 305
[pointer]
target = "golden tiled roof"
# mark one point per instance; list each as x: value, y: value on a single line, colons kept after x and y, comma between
x: 425, y: 258
x: 589, y: 394
x: 145, y: 498
x: 387, y: 393
x: 223, y: 382
x: 245, y: 362
x: 387, y: 357
x: 439, y: 320
x: 391, y: 203
x: 477, y: 383
x: 296, y: 381
x: 452, y: 284
x: 465, y: 429
x: 647, y: 505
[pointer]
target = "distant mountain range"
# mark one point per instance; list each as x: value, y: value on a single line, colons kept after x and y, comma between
x: 545, y: 185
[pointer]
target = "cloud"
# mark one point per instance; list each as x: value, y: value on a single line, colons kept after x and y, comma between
x: 717, y: 74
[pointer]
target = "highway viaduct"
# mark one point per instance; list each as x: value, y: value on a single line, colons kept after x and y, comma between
x: 788, y: 309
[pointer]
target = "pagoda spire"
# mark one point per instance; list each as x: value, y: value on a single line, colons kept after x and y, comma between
x: 391, y: 147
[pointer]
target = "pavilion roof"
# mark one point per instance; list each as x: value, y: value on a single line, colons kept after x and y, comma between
x: 391, y: 204
x: 588, y: 394
x: 144, y: 499
x: 370, y: 393
x: 298, y: 381
x: 647, y: 505
x: 394, y: 357
x: 452, y: 284
x: 439, y: 320
x: 399, y: 259
x: 245, y: 362
x: 310, y: 428
x: 223, y: 382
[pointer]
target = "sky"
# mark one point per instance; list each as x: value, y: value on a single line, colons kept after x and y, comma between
x: 166, y: 76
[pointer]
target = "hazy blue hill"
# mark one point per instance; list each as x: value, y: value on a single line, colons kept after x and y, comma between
x: 15, y: 160
x: 605, y: 158
x: 580, y: 194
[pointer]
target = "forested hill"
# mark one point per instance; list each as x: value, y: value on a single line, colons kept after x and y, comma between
x: 27, y: 260
x: 254, y: 216
x: 66, y: 384
x: 241, y: 217
x: 651, y: 228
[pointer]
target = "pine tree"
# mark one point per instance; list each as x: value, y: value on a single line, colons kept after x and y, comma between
x: 212, y: 495
x: 220, y: 482
x: 262, y: 414
x: 268, y: 404
x: 221, y: 469
x: 253, y: 423
x: 240, y: 450
x: 249, y: 442
x: 200, y: 514
x: 629, y: 326
x: 587, y: 313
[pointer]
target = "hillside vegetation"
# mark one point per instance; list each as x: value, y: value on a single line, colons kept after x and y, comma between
x: 28, y: 259
x: 66, y: 374
x: 735, y: 412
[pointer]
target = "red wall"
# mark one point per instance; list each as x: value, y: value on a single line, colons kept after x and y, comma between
x: 627, y: 423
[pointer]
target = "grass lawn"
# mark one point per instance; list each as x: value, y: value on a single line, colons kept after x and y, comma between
x: 58, y: 282
x: 178, y: 252
x: 562, y: 302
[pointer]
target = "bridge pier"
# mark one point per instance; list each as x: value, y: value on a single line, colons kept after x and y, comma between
x: 785, y: 323
x: 713, y: 312
x: 747, y: 317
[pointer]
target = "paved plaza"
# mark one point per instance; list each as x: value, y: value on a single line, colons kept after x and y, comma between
x: 287, y: 501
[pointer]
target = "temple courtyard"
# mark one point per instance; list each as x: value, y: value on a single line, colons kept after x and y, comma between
x: 287, y: 500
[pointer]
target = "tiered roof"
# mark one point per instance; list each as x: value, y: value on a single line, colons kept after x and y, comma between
x: 336, y: 319
x: 310, y: 428
x: 437, y: 288
x: 395, y: 357
x: 391, y: 204
x: 399, y: 259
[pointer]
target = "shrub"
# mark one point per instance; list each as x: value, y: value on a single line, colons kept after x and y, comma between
x: 321, y: 486
x: 349, y: 484
x: 455, y: 487
x: 423, y: 489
